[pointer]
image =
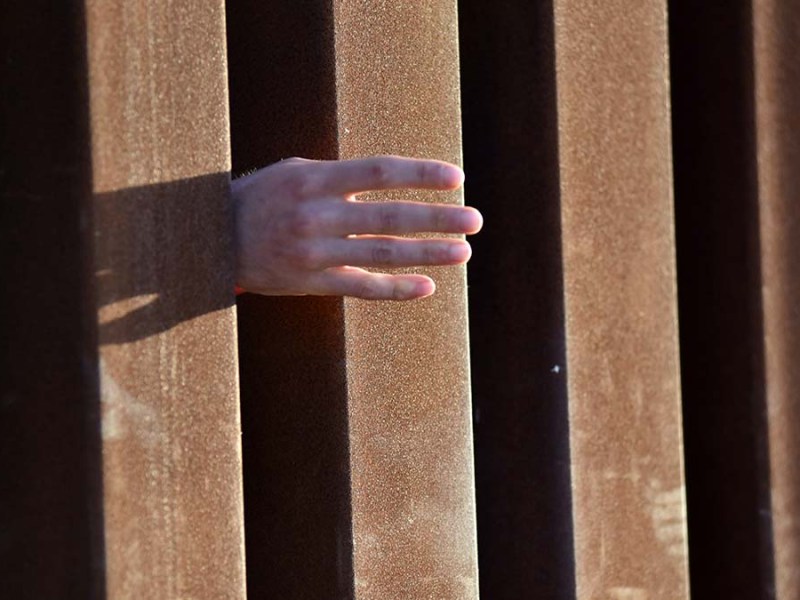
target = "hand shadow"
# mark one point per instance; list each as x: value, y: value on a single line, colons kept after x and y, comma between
x: 163, y: 255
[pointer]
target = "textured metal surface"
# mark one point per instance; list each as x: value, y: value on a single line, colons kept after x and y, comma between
x: 407, y: 364
x: 620, y: 299
x: 167, y: 360
x: 120, y: 307
x: 347, y: 399
x: 516, y: 301
x: 777, y: 97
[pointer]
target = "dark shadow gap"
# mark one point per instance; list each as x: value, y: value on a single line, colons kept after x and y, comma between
x: 142, y: 282
x: 51, y: 516
x: 719, y: 280
x: 298, y: 522
x: 517, y: 331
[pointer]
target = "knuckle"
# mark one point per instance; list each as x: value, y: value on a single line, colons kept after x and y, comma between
x: 302, y: 224
x: 382, y: 254
x: 290, y: 184
x: 436, y: 254
x: 387, y: 219
x: 398, y: 293
x: 299, y: 184
x: 426, y: 173
x: 443, y: 253
x: 305, y: 256
x: 440, y: 219
x: 369, y: 290
x: 379, y: 173
x: 308, y: 185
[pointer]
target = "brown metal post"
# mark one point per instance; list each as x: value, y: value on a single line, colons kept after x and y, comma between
x: 358, y: 459
x: 407, y: 364
x: 120, y: 426
x: 162, y: 247
x: 776, y: 37
x: 167, y: 361
x: 620, y: 299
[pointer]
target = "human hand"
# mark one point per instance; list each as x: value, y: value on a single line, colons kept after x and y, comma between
x: 300, y: 230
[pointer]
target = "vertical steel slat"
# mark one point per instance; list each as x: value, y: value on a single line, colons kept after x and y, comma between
x: 776, y: 35
x: 620, y: 299
x: 407, y: 364
x: 574, y: 308
x: 172, y: 497
x: 120, y: 417
x: 358, y: 465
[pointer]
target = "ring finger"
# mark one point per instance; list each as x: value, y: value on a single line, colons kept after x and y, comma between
x: 386, y: 252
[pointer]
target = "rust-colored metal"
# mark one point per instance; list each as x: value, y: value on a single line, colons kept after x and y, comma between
x: 620, y: 299
x: 120, y: 426
x: 407, y: 364
x: 776, y: 38
x: 172, y: 497
x: 379, y: 389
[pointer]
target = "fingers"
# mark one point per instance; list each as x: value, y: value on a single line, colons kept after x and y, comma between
x: 300, y: 231
x: 379, y: 251
x: 387, y: 173
x: 396, y: 218
x: 358, y: 283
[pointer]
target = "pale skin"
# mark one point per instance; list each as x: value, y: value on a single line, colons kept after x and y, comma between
x: 301, y: 230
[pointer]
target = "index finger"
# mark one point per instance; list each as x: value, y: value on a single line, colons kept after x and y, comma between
x: 387, y: 173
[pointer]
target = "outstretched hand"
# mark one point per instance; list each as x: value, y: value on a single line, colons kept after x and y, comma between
x: 300, y: 229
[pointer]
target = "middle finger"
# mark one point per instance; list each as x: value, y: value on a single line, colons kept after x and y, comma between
x: 385, y: 251
x: 398, y: 218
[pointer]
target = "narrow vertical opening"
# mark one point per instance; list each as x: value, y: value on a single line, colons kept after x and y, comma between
x: 293, y: 382
x: 518, y: 355
x: 721, y: 331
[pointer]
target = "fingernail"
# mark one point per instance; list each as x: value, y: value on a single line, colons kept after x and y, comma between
x: 453, y: 176
x: 472, y: 221
x: 460, y: 252
x: 405, y: 288
x: 425, y: 288
x: 413, y: 289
